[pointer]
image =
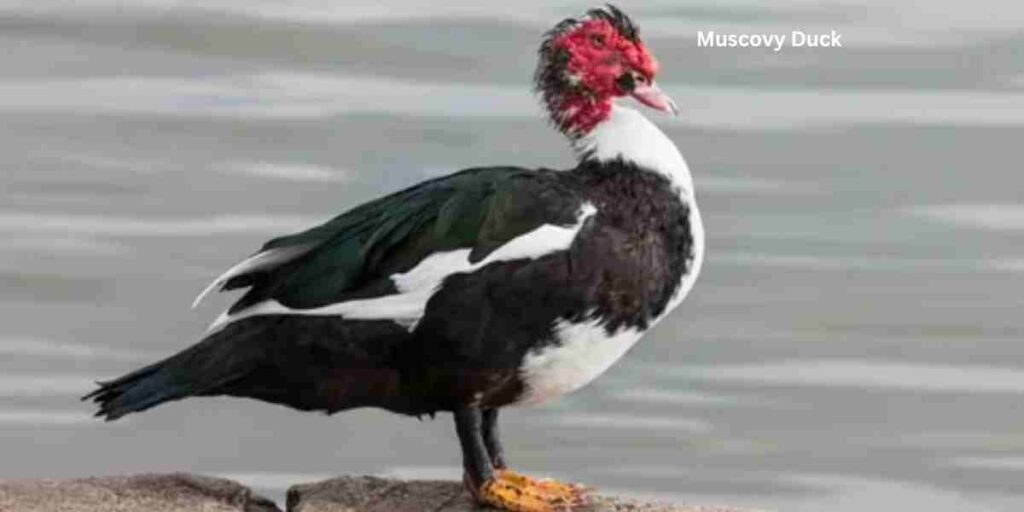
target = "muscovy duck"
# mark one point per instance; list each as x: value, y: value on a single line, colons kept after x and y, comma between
x: 490, y: 287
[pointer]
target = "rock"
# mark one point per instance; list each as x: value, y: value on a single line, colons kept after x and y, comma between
x: 142, y: 493
x: 371, y: 494
x: 191, y: 493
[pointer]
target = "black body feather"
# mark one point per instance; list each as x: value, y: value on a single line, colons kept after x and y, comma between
x: 622, y: 269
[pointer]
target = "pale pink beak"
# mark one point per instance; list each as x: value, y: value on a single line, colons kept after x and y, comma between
x: 651, y: 95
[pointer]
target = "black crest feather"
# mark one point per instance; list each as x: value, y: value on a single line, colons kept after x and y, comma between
x: 618, y: 19
x: 613, y: 15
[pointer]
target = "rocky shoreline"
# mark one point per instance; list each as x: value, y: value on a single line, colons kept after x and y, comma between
x: 185, y: 492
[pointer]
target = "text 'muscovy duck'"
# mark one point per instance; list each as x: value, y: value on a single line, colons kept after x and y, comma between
x: 490, y: 287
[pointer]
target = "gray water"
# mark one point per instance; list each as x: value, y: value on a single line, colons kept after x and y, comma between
x: 854, y: 343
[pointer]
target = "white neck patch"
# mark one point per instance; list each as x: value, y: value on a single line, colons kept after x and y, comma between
x: 627, y: 134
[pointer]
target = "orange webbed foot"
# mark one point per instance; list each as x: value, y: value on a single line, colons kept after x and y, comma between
x: 514, y: 492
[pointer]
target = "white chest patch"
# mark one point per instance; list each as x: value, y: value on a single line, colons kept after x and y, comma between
x: 585, y: 350
x: 582, y: 352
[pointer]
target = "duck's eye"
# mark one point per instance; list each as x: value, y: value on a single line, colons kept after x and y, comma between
x: 597, y: 39
x: 640, y: 78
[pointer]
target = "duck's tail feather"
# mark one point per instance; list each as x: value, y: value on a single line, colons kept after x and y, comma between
x: 224, y: 356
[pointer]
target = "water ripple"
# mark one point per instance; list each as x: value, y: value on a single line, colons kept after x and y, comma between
x: 28, y: 347
x: 990, y: 216
x: 79, y: 224
x: 867, y: 374
x: 45, y: 385
x: 289, y: 171
x: 42, y: 418
x: 318, y: 95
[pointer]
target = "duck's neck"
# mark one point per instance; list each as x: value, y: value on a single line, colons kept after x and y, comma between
x: 576, y: 113
x: 627, y: 135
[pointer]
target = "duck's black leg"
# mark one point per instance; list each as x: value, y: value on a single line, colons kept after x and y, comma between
x: 489, y: 481
x: 476, y: 464
x: 491, y: 439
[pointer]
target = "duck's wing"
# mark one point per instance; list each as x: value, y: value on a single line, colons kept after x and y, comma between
x: 383, y: 259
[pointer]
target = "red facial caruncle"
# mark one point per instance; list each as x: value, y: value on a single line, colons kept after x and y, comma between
x: 589, y: 63
x: 600, y: 55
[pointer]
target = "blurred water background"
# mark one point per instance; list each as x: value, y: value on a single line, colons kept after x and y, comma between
x: 855, y: 342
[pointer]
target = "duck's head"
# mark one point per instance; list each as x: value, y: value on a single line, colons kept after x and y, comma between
x: 587, y: 62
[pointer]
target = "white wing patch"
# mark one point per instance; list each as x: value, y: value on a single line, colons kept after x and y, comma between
x: 255, y: 262
x: 416, y: 286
